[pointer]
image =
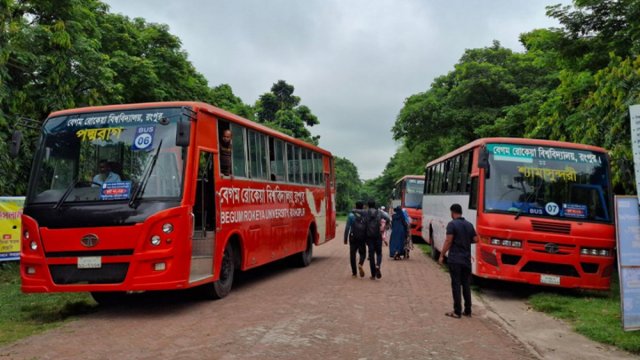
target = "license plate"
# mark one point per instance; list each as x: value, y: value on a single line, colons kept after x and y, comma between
x: 90, y: 262
x: 550, y: 279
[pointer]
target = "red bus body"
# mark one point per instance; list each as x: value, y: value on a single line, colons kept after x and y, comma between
x: 528, y: 247
x: 264, y: 219
x: 401, y: 197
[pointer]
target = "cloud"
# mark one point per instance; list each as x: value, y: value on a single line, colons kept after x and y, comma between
x: 352, y: 62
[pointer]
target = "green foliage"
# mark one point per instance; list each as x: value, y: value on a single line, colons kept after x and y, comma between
x: 348, y: 184
x: 281, y: 110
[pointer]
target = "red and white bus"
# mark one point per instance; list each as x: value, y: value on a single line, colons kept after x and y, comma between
x: 162, y: 215
x: 542, y: 210
x: 407, y: 193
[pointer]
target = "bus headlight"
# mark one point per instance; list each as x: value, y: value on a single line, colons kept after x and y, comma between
x: 167, y: 228
x: 595, y: 252
x: 506, y: 243
x: 155, y: 240
x: 26, y: 234
x: 33, y: 245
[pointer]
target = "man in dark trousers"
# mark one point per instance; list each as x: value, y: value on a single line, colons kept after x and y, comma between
x: 356, y: 234
x: 460, y: 236
x: 374, y: 238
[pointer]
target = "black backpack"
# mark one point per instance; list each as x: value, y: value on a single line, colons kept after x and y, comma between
x: 373, y: 224
x: 359, y: 226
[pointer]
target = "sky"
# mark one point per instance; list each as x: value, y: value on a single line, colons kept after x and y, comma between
x: 352, y: 62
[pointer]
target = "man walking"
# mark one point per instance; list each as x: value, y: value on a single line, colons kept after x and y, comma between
x: 374, y: 238
x: 460, y: 236
x: 355, y: 233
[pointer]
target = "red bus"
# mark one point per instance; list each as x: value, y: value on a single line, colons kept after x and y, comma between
x: 542, y: 210
x: 407, y: 193
x: 129, y: 198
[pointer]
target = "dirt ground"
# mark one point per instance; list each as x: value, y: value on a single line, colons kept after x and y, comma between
x: 318, y: 312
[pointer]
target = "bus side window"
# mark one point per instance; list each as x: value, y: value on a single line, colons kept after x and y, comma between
x: 238, y: 152
x: 473, y: 196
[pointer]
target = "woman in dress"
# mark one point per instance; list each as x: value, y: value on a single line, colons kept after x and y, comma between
x: 399, y: 228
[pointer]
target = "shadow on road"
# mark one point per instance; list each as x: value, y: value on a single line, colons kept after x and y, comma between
x: 153, y: 303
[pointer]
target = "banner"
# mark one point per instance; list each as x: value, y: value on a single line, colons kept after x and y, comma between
x: 634, y: 114
x: 10, y: 227
x: 628, y: 241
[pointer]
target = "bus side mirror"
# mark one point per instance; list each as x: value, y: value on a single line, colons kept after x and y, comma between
x: 483, y: 159
x: 183, y: 133
x: 14, y: 145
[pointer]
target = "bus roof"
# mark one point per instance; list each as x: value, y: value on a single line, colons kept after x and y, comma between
x: 196, y: 106
x: 521, y: 141
x: 419, y: 177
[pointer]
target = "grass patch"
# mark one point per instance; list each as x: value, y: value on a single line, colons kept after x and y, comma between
x: 341, y: 218
x: 22, y: 315
x: 425, y: 248
x: 593, y: 314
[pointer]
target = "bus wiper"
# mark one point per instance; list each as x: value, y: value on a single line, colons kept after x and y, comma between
x: 66, y: 193
x: 520, y: 212
x: 145, y: 177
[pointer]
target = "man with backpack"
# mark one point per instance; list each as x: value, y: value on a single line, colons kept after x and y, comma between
x: 356, y: 234
x: 374, y: 238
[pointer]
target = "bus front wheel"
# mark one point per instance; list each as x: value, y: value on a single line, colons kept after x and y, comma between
x: 222, y: 287
x: 303, y: 259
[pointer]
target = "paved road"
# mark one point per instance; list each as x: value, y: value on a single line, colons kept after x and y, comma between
x: 318, y: 312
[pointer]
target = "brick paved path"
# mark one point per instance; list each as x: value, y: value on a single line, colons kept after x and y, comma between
x: 318, y: 312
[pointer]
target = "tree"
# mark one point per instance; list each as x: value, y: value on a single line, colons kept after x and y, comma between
x: 348, y: 184
x: 281, y: 110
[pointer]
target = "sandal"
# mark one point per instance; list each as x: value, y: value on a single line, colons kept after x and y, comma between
x: 452, y: 314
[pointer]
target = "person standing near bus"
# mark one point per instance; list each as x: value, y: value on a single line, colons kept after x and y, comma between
x: 225, y: 153
x: 460, y: 236
x: 399, y: 231
x: 374, y: 238
x: 355, y: 233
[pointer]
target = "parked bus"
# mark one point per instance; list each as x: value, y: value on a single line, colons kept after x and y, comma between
x: 407, y: 193
x: 129, y: 198
x: 542, y: 210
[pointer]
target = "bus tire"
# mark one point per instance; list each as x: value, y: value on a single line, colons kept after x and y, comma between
x: 222, y: 287
x: 303, y: 259
x: 435, y: 254
x: 108, y: 298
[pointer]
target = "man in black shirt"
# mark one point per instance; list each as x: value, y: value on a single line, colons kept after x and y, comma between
x: 460, y: 236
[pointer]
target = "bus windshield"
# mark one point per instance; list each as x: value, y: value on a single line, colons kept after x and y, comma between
x: 543, y: 181
x: 413, y: 193
x: 106, y: 156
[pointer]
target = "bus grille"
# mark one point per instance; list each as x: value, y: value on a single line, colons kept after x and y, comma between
x: 551, y: 248
x: 544, y: 226
x: 550, y: 269
x: 113, y: 273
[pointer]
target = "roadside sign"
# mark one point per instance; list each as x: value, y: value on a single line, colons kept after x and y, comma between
x: 634, y: 114
x: 628, y: 244
x: 10, y: 227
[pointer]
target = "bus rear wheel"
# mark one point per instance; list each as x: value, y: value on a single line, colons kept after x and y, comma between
x: 222, y: 287
x: 303, y: 259
x: 435, y: 254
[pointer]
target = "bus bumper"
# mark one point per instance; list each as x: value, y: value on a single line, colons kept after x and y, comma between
x: 567, y: 271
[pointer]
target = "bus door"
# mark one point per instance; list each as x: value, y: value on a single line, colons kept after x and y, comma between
x: 331, y: 224
x: 204, y: 220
